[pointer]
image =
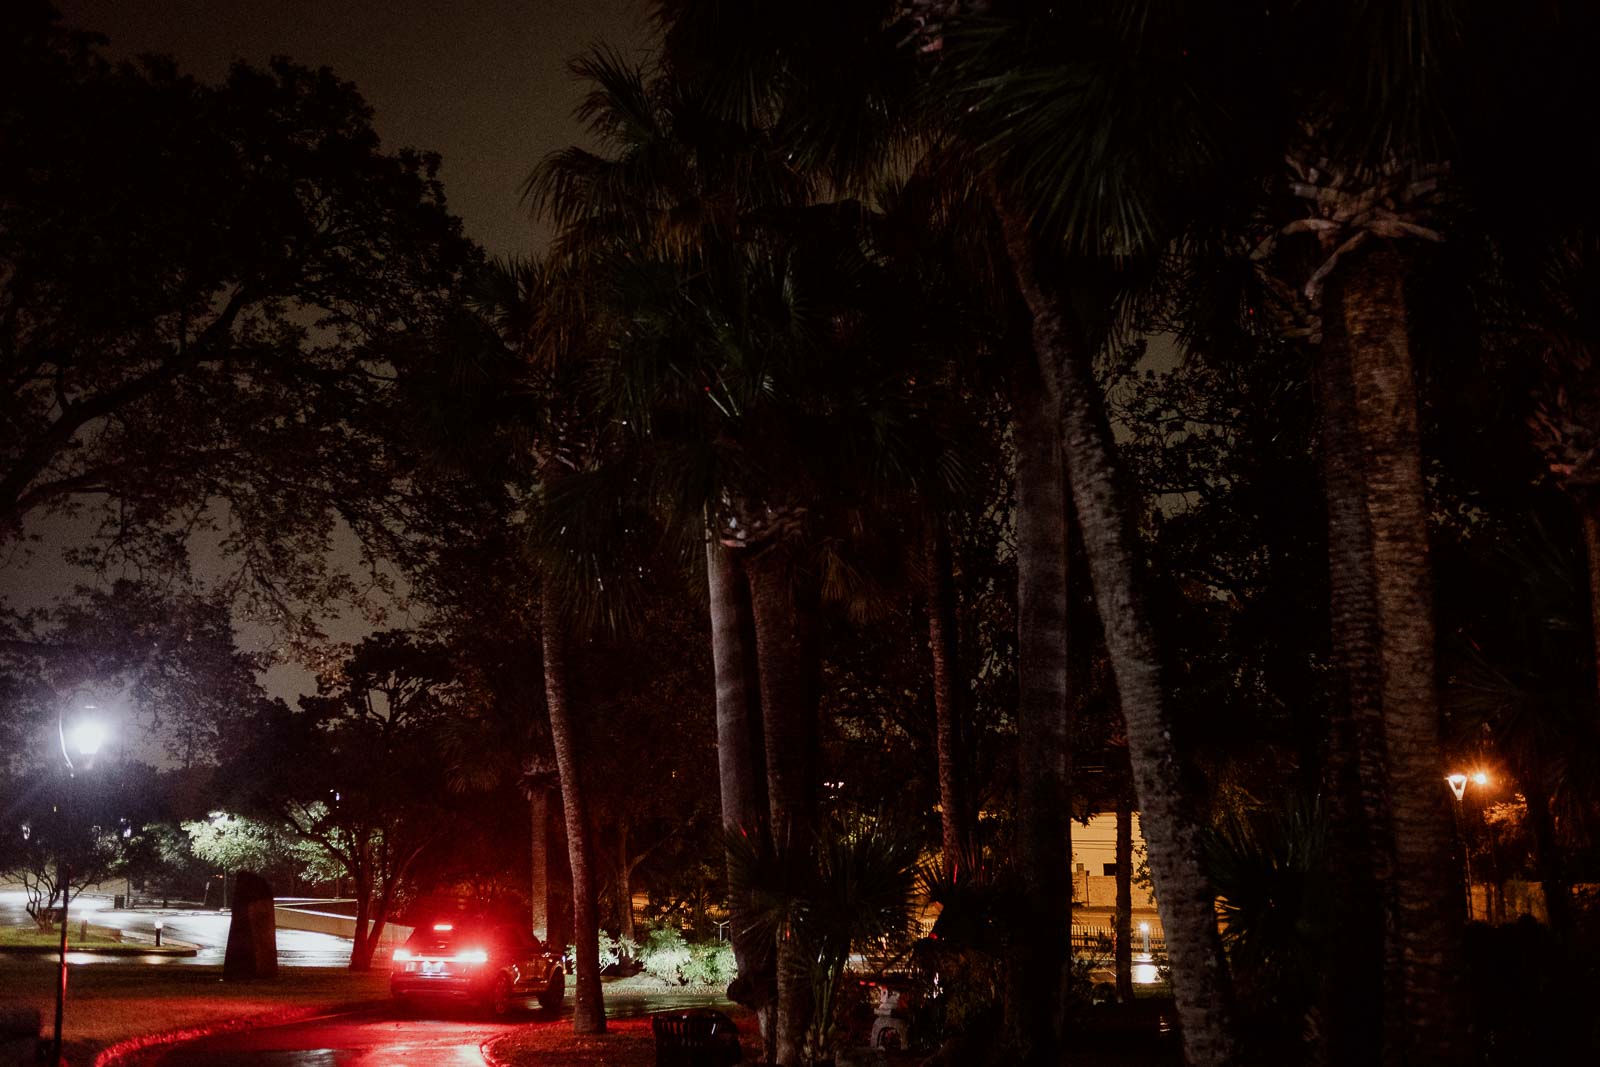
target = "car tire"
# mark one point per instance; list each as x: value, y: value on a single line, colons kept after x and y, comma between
x: 500, y: 996
x: 555, y: 991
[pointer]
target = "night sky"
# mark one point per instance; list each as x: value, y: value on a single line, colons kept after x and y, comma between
x: 484, y: 83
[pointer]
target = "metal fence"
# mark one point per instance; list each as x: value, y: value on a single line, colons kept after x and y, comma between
x: 1090, y: 939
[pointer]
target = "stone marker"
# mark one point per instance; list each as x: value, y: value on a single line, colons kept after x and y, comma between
x: 253, y: 933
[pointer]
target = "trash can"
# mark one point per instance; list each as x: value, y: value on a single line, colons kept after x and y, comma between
x: 118, y: 902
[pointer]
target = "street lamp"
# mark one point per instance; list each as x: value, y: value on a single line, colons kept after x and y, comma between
x: 86, y: 734
x: 1458, y: 785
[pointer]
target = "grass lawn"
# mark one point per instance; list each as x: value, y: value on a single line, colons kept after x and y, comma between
x: 108, y: 1002
x: 33, y: 937
x: 100, y: 939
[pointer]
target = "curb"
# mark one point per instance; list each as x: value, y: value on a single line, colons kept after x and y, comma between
x: 127, y: 948
x: 489, y: 1058
x: 121, y: 1053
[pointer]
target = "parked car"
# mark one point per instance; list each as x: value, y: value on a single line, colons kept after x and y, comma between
x: 496, y: 965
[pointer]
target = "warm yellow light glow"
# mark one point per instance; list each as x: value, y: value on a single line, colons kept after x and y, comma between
x: 1144, y: 928
x: 1480, y: 778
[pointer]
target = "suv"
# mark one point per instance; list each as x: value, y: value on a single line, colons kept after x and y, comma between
x: 495, y: 964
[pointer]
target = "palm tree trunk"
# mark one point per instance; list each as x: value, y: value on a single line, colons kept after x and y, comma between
x: 1589, y: 515
x: 949, y: 688
x: 1427, y: 893
x: 589, y: 1010
x: 1044, y: 854
x: 741, y: 761
x: 539, y: 887
x: 789, y: 723
x: 1356, y: 1018
x: 624, y: 886
x: 1106, y: 520
x: 1124, y: 961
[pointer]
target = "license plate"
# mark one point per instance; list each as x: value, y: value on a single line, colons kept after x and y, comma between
x: 433, y: 966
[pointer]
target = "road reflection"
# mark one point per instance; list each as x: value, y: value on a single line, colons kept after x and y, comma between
x: 374, y: 1038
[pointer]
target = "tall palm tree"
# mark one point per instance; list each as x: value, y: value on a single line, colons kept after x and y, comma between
x: 589, y: 1012
x: 745, y: 352
x: 1044, y: 842
x: 1364, y: 161
x: 1083, y: 175
x: 949, y: 703
x: 528, y: 330
x: 741, y: 756
x: 1104, y: 508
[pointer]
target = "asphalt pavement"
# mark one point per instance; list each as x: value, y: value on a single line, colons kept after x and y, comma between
x: 373, y: 1038
x: 385, y: 1037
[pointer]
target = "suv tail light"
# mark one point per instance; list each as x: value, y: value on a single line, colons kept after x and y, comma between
x: 472, y: 955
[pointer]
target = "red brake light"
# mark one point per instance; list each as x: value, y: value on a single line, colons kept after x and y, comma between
x: 472, y: 955
x: 443, y: 928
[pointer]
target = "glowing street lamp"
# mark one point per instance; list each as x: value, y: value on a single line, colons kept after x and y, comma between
x: 1458, y: 785
x: 86, y: 733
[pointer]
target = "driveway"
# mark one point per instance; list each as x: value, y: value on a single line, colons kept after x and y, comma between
x: 374, y: 1038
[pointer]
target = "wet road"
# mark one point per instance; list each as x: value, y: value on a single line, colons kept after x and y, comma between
x: 384, y: 1037
x: 208, y: 930
x: 377, y: 1038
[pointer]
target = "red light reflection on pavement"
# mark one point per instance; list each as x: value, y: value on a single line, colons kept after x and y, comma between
x: 373, y: 1038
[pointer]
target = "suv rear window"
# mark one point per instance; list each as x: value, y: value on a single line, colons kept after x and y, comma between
x: 447, y: 936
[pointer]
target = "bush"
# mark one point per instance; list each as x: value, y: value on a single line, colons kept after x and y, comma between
x: 710, y: 964
x: 665, y: 955
x: 668, y: 958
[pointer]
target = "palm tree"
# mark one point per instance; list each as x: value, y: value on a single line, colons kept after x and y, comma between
x: 527, y: 329
x: 589, y: 1012
x: 848, y: 890
x: 1083, y: 184
x: 1044, y: 845
x: 775, y: 80
x: 1365, y: 164
x: 741, y: 756
x: 1355, y: 1021
x: 949, y: 690
x: 746, y: 355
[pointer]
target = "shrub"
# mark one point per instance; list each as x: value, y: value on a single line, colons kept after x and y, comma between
x: 710, y: 964
x: 665, y: 955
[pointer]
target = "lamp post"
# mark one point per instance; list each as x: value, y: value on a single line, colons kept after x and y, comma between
x: 1458, y: 783
x: 85, y: 736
